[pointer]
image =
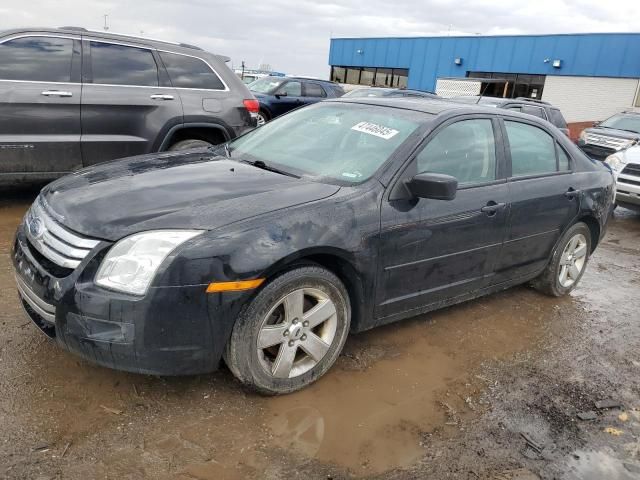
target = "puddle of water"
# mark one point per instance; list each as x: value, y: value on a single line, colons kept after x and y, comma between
x: 585, y: 465
x: 378, y: 417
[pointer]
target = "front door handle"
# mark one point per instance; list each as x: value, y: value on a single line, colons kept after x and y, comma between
x: 56, y: 93
x: 491, y: 208
x: 572, y: 193
x: 161, y: 96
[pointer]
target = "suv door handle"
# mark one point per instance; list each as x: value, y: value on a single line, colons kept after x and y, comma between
x: 491, y: 208
x: 161, y: 96
x: 572, y: 193
x: 56, y: 93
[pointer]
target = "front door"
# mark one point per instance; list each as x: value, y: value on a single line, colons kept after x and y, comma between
x: 124, y: 107
x: 433, y: 250
x: 40, y: 105
x: 545, y: 198
x: 287, y: 97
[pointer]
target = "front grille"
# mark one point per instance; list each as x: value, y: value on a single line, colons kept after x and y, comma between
x: 55, y: 242
x: 632, y: 169
x: 628, y: 181
x: 613, y: 143
x: 45, y: 310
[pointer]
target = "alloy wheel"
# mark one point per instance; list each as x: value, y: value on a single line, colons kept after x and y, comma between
x: 573, y: 260
x: 297, y: 333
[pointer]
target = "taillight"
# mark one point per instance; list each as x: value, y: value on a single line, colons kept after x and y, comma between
x: 252, y: 105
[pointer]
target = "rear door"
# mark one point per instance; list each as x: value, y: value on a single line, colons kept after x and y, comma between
x: 128, y: 103
x: 544, y: 198
x: 40, y: 104
x: 313, y: 92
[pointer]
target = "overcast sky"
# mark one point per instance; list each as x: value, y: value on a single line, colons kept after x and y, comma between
x: 293, y: 35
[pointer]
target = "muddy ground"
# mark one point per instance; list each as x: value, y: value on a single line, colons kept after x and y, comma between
x: 489, y: 389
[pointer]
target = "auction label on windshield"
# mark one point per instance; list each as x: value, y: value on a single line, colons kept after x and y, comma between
x: 375, y: 129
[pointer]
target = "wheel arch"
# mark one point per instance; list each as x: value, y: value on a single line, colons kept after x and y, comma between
x: 594, y: 228
x: 209, y: 132
x: 337, y: 262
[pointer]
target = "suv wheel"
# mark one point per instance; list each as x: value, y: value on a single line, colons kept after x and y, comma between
x: 291, y: 333
x: 188, y: 144
x: 568, y: 263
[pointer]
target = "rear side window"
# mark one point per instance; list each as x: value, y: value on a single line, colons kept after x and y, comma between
x: 533, y: 151
x: 556, y: 118
x: 465, y: 150
x: 190, y: 72
x: 36, y: 59
x: 535, y: 111
x: 314, y: 90
x: 563, y: 159
x: 121, y: 65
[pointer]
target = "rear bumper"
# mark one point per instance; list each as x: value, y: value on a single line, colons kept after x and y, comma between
x: 167, y: 332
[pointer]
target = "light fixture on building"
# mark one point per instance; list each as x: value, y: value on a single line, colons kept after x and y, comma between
x: 458, y: 61
x: 360, y: 51
x: 557, y: 63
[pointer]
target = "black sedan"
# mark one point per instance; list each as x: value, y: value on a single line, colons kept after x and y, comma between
x: 331, y: 220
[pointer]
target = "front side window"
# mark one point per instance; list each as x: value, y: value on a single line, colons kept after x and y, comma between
x: 291, y: 89
x: 190, y: 72
x: 533, y: 151
x: 36, y: 59
x: 121, y: 65
x: 465, y: 150
x: 266, y: 85
x: 336, y: 143
x: 314, y: 90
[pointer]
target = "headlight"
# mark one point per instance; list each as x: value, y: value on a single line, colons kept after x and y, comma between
x: 616, y: 162
x: 132, y: 263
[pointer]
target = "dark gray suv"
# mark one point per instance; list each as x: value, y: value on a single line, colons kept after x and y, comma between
x: 70, y: 97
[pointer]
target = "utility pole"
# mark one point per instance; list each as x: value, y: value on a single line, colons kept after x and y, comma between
x: 106, y: 26
x: 242, y: 65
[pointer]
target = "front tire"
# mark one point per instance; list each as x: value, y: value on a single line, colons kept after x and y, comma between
x: 189, y: 144
x: 291, y: 333
x: 568, y: 263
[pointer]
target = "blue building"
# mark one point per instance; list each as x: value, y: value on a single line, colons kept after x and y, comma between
x: 589, y: 76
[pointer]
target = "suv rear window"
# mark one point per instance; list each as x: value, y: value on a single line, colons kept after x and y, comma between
x: 190, y: 72
x: 113, y: 64
x: 36, y: 59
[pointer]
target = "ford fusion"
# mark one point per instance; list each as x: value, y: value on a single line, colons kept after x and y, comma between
x: 336, y: 218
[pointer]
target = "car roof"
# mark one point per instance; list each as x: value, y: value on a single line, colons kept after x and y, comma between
x: 100, y: 34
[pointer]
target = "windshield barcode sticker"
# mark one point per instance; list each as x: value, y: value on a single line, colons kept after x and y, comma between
x: 375, y: 130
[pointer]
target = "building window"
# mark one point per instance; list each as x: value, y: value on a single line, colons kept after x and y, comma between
x: 510, y: 85
x: 377, y: 77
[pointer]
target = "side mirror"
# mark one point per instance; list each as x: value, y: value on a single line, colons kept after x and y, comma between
x: 281, y: 94
x: 433, y: 185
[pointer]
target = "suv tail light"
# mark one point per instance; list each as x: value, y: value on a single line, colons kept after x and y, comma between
x: 252, y: 105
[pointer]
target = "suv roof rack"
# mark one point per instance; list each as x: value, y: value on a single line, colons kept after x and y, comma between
x: 82, y: 29
x: 535, y: 100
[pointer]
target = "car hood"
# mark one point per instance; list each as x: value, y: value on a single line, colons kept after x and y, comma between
x: 191, y: 190
x: 613, y: 132
x: 632, y: 155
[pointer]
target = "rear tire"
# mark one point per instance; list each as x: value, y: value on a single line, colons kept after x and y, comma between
x: 568, y: 263
x: 189, y: 144
x: 291, y: 333
x: 262, y: 118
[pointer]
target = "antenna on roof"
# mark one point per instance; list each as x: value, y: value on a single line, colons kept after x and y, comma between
x: 484, y: 90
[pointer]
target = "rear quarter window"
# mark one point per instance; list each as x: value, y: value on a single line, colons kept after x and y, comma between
x: 556, y: 118
x: 190, y: 72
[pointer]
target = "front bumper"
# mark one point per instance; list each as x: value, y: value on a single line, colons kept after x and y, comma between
x: 169, y: 331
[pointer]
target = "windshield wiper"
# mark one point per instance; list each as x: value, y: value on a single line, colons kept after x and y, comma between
x: 270, y: 168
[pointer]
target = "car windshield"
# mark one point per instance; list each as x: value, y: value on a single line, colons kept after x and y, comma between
x: 334, y: 142
x: 623, y: 122
x: 265, y: 84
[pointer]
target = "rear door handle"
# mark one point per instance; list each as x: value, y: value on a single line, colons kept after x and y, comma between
x: 491, y: 208
x: 56, y: 93
x: 161, y: 96
x: 572, y: 193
